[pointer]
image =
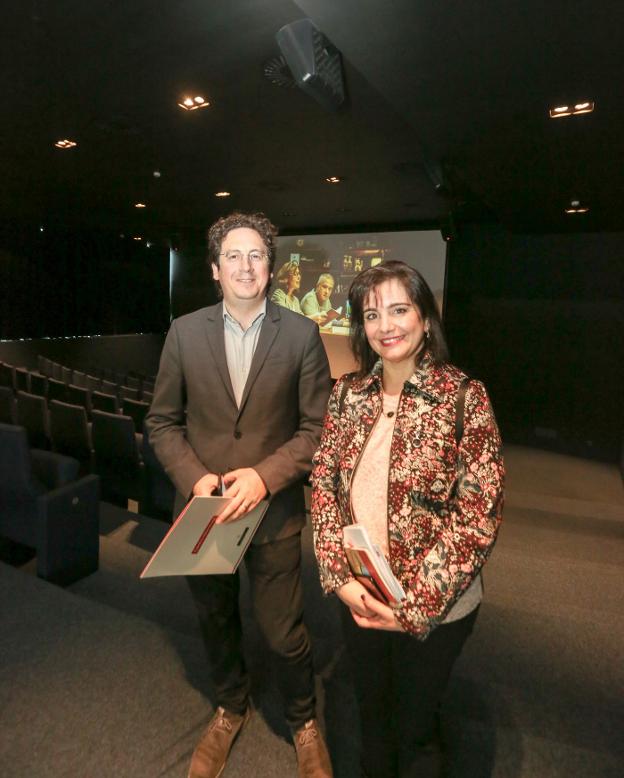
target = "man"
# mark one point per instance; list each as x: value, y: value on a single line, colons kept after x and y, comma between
x: 316, y: 302
x: 241, y: 390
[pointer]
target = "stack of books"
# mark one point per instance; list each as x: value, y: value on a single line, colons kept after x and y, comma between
x: 370, y: 566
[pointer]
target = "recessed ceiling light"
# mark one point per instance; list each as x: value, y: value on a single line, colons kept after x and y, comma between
x: 65, y: 144
x: 333, y: 179
x: 137, y: 237
x: 140, y: 205
x: 193, y: 103
x: 560, y: 111
x: 576, y: 207
x: 222, y: 194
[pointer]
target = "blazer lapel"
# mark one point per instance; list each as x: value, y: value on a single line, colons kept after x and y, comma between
x: 268, y: 332
x: 216, y: 341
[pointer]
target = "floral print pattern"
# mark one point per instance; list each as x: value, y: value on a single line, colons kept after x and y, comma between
x: 444, y: 500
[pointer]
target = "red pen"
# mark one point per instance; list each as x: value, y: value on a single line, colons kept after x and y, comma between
x: 204, y: 535
x: 221, y: 487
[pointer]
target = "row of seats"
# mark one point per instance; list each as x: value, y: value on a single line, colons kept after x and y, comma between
x: 102, y: 430
x: 108, y: 445
x: 88, y: 379
x: 73, y: 384
x: 90, y: 401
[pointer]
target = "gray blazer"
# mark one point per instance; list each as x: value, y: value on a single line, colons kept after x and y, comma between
x: 195, y: 426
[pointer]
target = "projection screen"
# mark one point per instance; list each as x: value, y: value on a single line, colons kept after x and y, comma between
x: 327, y: 265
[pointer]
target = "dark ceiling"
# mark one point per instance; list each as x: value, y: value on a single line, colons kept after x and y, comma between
x: 463, y: 84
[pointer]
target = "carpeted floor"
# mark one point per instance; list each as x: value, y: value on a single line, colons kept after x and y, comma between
x: 107, y: 678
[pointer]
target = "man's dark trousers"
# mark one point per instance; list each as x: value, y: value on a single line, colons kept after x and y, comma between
x: 274, y: 571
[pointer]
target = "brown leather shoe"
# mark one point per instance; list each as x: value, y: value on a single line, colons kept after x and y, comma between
x: 312, y: 756
x: 215, y: 744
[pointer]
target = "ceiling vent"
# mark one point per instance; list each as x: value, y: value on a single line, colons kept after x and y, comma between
x: 278, y: 73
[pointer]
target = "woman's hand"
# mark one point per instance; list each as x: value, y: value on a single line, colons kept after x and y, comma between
x: 382, y: 618
x: 353, y: 594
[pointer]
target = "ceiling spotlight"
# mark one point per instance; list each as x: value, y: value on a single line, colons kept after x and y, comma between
x: 222, y: 194
x: 65, y: 144
x: 576, y: 207
x: 140, y: 205
x: 193, y: 103
x: 137, y: 237
x: 560, y: 111
x: 156, y: 174
x: 333, y: 179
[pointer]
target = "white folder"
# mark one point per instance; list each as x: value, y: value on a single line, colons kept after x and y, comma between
x: 195, y: 545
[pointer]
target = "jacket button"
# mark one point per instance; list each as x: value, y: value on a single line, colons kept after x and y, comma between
x: 238, y: 434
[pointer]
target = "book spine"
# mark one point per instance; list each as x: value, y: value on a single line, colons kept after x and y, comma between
x: 369, y: 564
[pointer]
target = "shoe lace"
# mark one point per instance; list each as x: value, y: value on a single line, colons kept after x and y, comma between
x: 221, y: 722
x: 307, y: 735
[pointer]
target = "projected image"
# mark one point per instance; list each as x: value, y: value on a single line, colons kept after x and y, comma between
x: 314, y: 272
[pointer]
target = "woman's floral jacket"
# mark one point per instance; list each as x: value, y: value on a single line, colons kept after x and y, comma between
x: 444, y: 500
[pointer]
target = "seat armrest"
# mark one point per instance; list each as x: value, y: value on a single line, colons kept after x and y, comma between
x: 53, y: 470
x: 68, y: 531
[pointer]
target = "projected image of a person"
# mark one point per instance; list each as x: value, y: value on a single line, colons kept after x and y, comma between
x: 410, y: 450
x: 316, y: 303
x: 288, y: 280
x: 241, y: 390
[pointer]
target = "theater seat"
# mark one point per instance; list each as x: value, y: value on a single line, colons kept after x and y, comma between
x: 8, y: 410
x: 100, y: 401
x: 38, y: 384
x: 116, y: 457
x: 32, y: 414
x: 69, y: 432
x: 158, y: 491
x: 43, y: 505
x: 137, y: 410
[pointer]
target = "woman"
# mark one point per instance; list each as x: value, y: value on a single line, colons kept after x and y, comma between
x: 289, y: 280
x: 390, y: 459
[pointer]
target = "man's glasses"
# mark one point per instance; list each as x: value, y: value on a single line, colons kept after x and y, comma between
x: 235, y: 257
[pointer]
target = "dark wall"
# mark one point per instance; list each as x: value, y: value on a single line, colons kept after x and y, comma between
x: 192, y: 286
x: 540, y: 318
x: 62, y: 281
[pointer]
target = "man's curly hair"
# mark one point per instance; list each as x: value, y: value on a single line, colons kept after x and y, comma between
x: 253, y: 221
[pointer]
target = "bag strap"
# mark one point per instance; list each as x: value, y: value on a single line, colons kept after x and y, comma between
x: 460, y: 403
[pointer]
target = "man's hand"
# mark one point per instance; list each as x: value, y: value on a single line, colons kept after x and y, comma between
x: 319, y: 318
x: 206, y: 486
x: 382, y: 618
x: 246, y: 489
